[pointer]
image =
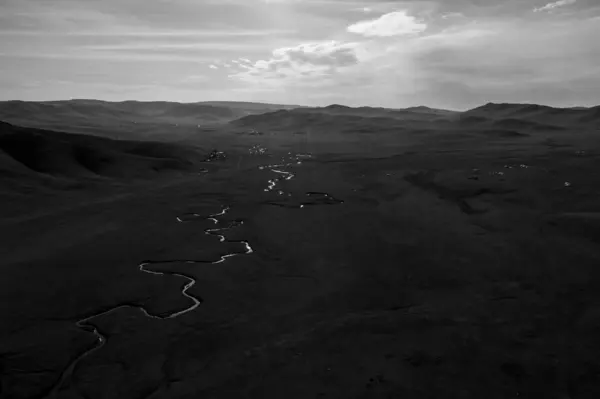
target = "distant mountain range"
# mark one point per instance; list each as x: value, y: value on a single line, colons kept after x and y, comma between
x: 94, y: 116
x: 137, y: 120
x: 158, y: 111
x: 489, y: 116
x: 534, y: 115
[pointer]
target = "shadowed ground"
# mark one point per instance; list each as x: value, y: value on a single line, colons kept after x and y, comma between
x: 454, y: 267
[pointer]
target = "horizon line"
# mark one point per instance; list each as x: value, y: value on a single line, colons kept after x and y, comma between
x: 293, y: 105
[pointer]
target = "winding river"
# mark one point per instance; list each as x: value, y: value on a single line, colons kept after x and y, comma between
x: 280, y: 169
x: 314, y: 197
x: 87, y: 325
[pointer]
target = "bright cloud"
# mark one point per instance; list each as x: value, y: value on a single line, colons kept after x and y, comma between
x: 301, y: 61
x: 330, y: 53
x: 551, y: 6
x: 392, y: 24
x: 211, y: 66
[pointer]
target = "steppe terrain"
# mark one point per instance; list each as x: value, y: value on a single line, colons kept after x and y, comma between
x: 239, y: 250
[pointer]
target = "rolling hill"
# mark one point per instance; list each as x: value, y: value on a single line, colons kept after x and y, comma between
x: 136, y: 119
x: 344, y: 118
x: 533, y: 115
x: 489, y: 118
x: 38, y: 153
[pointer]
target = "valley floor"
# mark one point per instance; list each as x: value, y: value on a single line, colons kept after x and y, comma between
x: 455, y: 272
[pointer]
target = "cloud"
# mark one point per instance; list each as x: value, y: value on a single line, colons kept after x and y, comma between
x: 460, y: 66
x: 165, y: 47
x: 301, y: 61
x: 330, y: 53
x: 453, y: 15
x: 551, y: 6
x: 109, y: 56
x: 243, y: 63
x: 191, y: 79
x: 498, y: 60
x: 392, y: 24
x: 366, y: 10
x: 152, y: 34
x: 211, y: 66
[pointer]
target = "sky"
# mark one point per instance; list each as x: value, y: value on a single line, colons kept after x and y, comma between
x: 454, y: 54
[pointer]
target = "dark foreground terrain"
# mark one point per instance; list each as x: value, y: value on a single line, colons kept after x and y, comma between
x: 455, y: 256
